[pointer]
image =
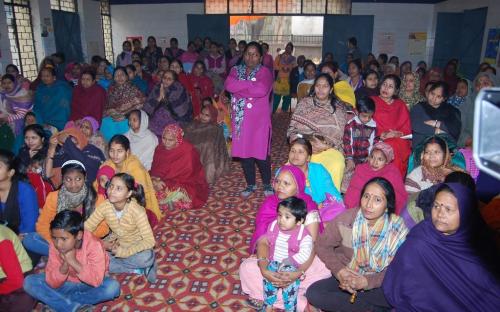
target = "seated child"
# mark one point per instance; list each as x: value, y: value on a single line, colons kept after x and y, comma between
x: 223, y: 105
x: 14, y: 263
x: 462, y: 91
x: 142, y: 141
x: 208, y: 138
x: 104, y: 175
x: 75, y: 195
x: 130, y: 245
x: 359, y: 137
x: 289, y: 246
x: 41, y: 185
x: 75, y: 276
x: 378, y: 165
x: 329, y: 157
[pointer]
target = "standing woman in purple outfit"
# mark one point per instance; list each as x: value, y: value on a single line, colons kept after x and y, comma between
x: 250, y: 85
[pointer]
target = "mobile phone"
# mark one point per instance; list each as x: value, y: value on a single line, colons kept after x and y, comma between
x: 486, y: 137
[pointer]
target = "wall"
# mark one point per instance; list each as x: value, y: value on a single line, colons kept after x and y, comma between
x: 160, y: 20
x: 400, y: 19
x: 5, y: 55
x: 492, y: 19
x: 41, y: 17
x: 91, y: 28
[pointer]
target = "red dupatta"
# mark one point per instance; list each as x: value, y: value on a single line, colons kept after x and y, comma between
x: 180, y: 167
x: 396, y: 117
x: 202, y: 87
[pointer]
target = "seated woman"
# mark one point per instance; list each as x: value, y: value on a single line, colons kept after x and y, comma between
x: 122, y: 160
x: 435, y: 116
x: 208, y: 138
x: 289, y: 182
x: 482, y: 80
x: 75, y: 276
x: 304, y: 87
x: 14, y: 263
x: 18, y: 200
x: 88, y: 99
x: 435, y: 166
x: 320, y: 113
x: 370, y: 85
x: 330, y: 158
x: 74, y: 194
x: 319, y: 182
x: 15, y: 102
x: 182, y: 77
x: 167, y: 103
x: 202, y: 86
x: 378, y: 165
x: 73, y: 73
x: 143, y: 142
x: 104, y: 74
x: 70, y: 144
x: 34, y: 143
x: 131, y: 242
x: 177, y: 171
x: 357, y: 247
x: 448, y: 262
x: 52, y: 102
x: 341, y: 88
x: 123, y: 97
x: 89, y: 126
x: 410, y: 90
x: 420, y: 204
x: 215, y: 63
x: 137, y: 81
x: 393, y: 120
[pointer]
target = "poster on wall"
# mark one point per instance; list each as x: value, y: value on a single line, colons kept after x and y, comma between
x: 385, y: 42
x: 417, y: 43
x: 491, y: 51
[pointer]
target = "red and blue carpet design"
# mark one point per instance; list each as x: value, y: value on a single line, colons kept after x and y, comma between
x: 199, y: 251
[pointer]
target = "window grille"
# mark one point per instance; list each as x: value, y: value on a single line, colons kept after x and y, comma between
x: 20, y: 32
x: 106, y: 30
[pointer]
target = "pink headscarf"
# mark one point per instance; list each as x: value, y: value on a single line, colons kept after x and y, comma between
x: 94, y: 123
x: 386, y: 149
x: 268, y: 211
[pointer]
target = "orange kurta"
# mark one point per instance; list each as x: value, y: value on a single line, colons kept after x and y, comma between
x: 49, y: 212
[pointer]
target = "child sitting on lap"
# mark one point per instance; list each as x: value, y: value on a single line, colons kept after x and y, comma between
x: 289, y: 246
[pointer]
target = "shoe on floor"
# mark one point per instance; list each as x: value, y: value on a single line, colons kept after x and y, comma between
x: 268, y: 190
x: 248, y: 191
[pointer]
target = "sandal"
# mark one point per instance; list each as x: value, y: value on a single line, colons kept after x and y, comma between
x: 255, y: 304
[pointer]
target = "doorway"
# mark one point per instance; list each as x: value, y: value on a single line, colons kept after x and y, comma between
x: 305, y: 32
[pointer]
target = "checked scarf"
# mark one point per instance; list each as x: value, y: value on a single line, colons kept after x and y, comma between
x: 374, y: 248
x: 239, y: 111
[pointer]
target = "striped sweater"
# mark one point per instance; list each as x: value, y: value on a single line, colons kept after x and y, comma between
x: 132, y: 229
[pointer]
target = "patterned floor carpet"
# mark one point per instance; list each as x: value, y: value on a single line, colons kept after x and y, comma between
x: 199, y: 251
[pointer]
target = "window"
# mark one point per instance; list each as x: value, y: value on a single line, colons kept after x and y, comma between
x: 22, y: 46
x: 296, y: 7
x: 64, y: 5
x: 106, y: 30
